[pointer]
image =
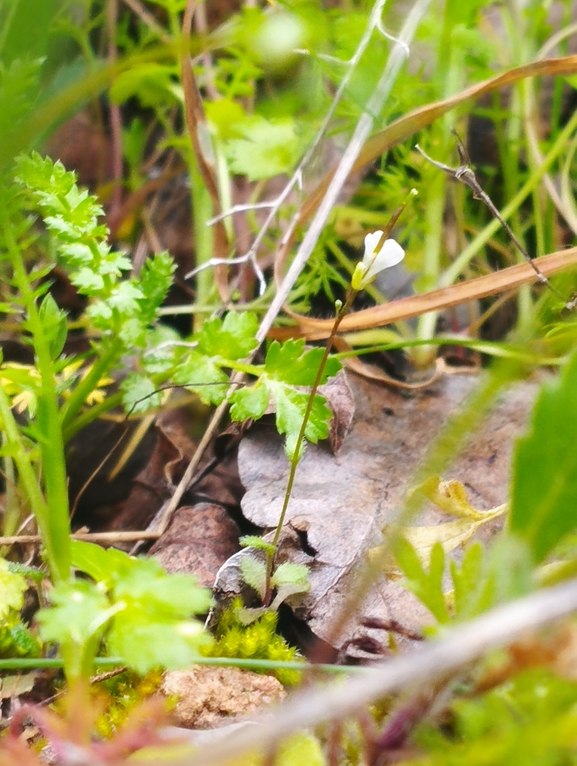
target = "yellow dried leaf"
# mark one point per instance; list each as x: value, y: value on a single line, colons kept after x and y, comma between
x: 450, y: 534
x: 451, y: 497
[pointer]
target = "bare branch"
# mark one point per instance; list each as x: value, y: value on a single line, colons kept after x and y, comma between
x: 466, y: 175
x: 373, y: 107
x: 361, y: 134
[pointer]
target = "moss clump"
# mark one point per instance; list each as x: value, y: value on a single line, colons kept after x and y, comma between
x: 16, y: 640
x: 256, y: 641
x: 120, y: 695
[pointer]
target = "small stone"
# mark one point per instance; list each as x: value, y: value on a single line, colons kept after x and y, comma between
x: 210, y: 697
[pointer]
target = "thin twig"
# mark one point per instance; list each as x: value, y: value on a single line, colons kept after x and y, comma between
x: 247, y: 258
x: 361, y: 134
x: 95, y: 537
x: 245, y: 207
x: 466, y: 175
x: 359, y: 137
x: 149, y: 20
x: 401, y: 44
x: 199, y: 135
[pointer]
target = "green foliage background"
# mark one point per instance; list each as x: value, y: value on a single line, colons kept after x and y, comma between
x: 267, y: 77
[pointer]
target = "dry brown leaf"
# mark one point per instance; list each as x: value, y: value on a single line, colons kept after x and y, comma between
x: 340, y: 399
x: 198, y: 541
x: 415, y: 305
x: 340, y: 505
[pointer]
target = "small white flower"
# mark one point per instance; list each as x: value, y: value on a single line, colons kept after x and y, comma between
x: 375, y: 261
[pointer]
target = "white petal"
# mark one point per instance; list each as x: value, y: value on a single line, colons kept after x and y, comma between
x: 389, y: 255
x: 371, y: 242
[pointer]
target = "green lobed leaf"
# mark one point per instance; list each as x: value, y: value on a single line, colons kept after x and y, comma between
x: 290, y: 363
x: 103, y: 565
x: 249, y: 402
x: 101, y: 314
x: 111, y: 262
x: 141, y: 582
x: 289, y: 579
x: 230, y: 338
x: 78, y: 612
x: 252, y: 541
x: 147, y: 586
x: 55, y: 191
x: 154, y: 282
x: 132, y: 332
x: 154, y: 627
x: 427, y: 586
x: 139, y: 393
x: 297, y: 574
x: 290, y: 410
x: 268, y: 148
x: 545, y: 468
x: 76, y: 254
x: 145, y: 644
x: 147, y: 612
x: 125, y: 298
x: 253, y: 573
x: 224, y: 115
x: 71, y: 215
x: 87, y: 281
x: 199, y: 374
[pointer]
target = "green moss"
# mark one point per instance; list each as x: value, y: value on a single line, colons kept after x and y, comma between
x: 16, y: 640
x: 121, y: 694
x: 258, y: 641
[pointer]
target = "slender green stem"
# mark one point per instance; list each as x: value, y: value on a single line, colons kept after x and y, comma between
x: 11, y: 516
x: 24, y: 663
x: 342, y: 312
x: 201, y: 212
x: 300, y: 438
x: 92, y: 414
x: 424, y: 356
x: 15, y: 441
x: 86, y: 386
x: 53, y: 521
